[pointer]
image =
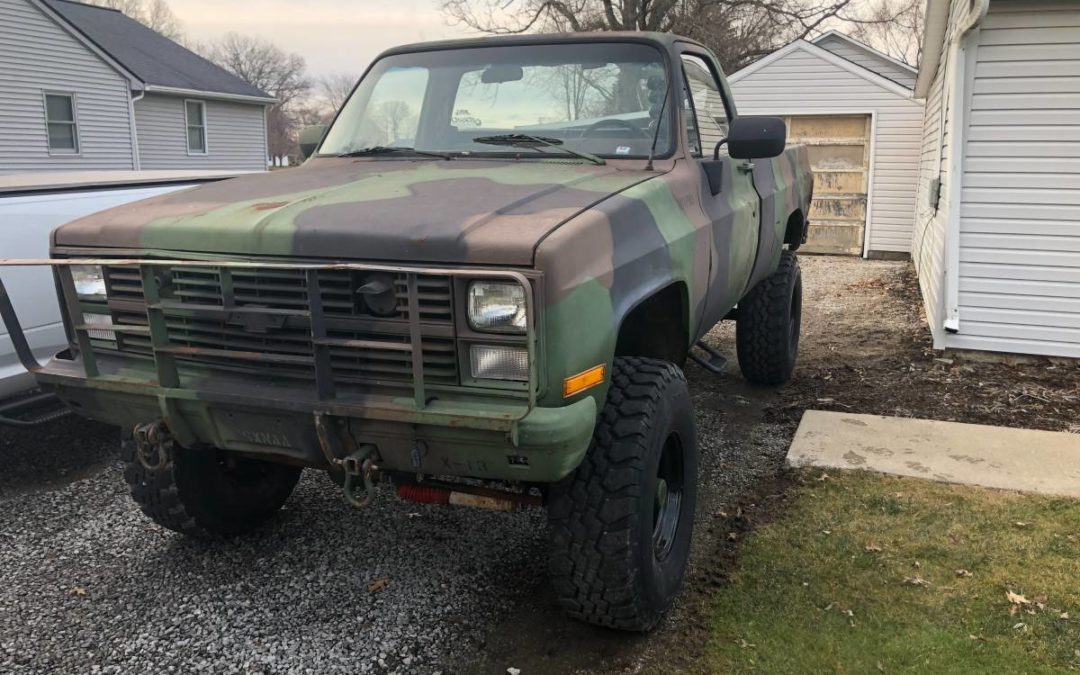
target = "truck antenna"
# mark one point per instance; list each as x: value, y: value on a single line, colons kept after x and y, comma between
x: 656, y: 134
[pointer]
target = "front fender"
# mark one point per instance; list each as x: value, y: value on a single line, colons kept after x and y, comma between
x: 610, y: 258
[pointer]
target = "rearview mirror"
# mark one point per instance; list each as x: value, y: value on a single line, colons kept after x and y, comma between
x: 756, y: 137
x: 501, y: 73
x: 310, y: 137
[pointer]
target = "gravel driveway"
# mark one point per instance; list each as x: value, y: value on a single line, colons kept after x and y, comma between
x: 88, y: 585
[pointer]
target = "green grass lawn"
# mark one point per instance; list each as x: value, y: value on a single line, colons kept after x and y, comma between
x: 866, y: 574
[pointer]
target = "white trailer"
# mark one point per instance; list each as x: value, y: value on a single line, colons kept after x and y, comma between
x: 31, y: 206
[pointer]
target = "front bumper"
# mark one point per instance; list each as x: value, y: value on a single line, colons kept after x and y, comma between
x: 414, y: 428
x: 474, y: 438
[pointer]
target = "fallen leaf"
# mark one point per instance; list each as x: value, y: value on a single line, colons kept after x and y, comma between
x: 916, y: 581
x: 826, y: 400
x: 1020, y: 524
x: 77, y: 590
x: 1041, y: 600
x: 1020, y: 626
x: 1064, y: 615
x: 826, y: 532
x: 963, y: 573
x: 823, y: 476
x: 976, y: 637
x: 917, y: 565
x: 732, y: 536
x: 513, y: 671
x: 745, y: 645
x: 378, y: 585
x: 873, y: 548
x: 1016, y: 598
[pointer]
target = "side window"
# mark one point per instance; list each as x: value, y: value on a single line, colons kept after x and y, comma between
x: 708, y: 123
x: 63, y: 132
x: 195, y: 113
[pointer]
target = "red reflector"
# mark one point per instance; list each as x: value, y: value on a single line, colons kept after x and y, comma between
x: 423, y: 494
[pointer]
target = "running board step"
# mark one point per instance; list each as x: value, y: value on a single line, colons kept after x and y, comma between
x: 715, y: 363
x: 32, y: 410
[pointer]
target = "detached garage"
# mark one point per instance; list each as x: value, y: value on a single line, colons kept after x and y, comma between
x: 852, y: 106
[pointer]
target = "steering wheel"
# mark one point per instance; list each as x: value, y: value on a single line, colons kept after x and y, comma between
x: 610, y: 123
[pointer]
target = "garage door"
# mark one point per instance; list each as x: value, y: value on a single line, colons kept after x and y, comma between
x: 839, y: 148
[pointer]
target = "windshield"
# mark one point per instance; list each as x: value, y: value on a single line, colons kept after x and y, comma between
x: 600, y: 99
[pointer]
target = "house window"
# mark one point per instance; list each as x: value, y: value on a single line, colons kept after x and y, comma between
x: 60, y: 123
x: 195, y: 111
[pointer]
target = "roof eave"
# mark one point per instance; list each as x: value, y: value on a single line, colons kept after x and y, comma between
x: 213, y: 95
x: 937, y: 22
x: 865, y: 47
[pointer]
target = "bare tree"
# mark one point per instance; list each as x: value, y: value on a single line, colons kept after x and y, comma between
x: 333, y: 90
x: 738, y: 31
x: 154, y: 14
x: 898, y: 33
x: 277, y: 72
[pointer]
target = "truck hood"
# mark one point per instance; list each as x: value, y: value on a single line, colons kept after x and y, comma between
x: 463, y: 211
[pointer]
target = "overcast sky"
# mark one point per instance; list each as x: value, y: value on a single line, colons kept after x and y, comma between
x: 332, y: 35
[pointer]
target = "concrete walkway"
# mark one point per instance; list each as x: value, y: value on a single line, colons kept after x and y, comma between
x: 999, y: 457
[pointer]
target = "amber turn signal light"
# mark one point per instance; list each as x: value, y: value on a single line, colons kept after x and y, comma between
x: 583, y: 380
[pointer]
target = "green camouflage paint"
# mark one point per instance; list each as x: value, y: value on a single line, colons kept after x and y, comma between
x: 602, y: 239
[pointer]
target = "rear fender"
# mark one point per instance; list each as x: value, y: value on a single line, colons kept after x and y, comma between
x: 784, y: 184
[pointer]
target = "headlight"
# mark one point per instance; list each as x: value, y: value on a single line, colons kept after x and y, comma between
x: 497, y: 306
x: 89, y: 282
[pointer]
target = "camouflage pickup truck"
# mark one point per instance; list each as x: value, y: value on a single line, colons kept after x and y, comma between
x: 480, y: 287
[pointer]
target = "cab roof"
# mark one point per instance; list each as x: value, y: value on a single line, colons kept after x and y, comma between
x: 665, y: 41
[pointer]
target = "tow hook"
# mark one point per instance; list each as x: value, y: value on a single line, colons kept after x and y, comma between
x: 360, y: 469
x: 153, y: 445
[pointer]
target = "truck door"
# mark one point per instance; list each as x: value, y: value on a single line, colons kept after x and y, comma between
x: 727, y: 193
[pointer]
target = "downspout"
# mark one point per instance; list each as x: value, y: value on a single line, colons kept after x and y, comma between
x: 962, y: 46
x: 132, y: 100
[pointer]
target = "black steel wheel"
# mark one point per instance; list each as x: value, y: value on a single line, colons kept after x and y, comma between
x: 769, y: 323
x: 622, y: 522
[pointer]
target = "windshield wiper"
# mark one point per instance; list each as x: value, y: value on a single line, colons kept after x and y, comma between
x: 388, y: 149
x: 535, y: 142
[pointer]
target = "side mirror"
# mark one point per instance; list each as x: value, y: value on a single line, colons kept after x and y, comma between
x: 756, y: 137
x: 310, y: 137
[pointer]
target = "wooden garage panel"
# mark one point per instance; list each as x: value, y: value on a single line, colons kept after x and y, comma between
x: 837, y: 157
x: 839, y: 149
x: 832, y: 182
x: 839, y: 208
x: 817, y: 127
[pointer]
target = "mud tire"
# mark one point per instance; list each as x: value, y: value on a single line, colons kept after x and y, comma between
x: 768, y: 325
x: 208, y: 493
x: 606, y: 564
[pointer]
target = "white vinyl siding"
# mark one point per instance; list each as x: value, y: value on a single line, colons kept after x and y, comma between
x: 37, y: 55
x: 868, y: 59
x: 804, y: 83
x: 928, y: 242
x: 235, y: 135
x: 1019, y: 275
